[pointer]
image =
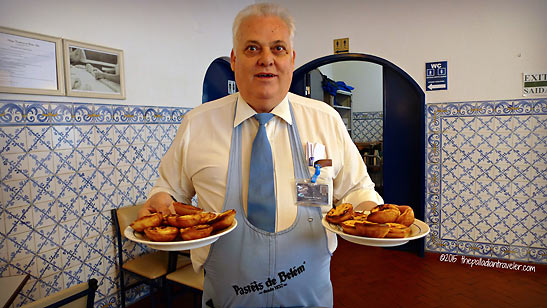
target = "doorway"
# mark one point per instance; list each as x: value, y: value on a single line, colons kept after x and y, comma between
x: 403, y: 131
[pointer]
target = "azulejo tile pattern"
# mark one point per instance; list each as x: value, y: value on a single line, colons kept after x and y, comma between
x: 367, y: 126
x: 63, y: 166
x: 487, y: 179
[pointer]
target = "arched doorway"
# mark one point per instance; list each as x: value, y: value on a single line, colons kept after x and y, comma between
x: 403, y: 132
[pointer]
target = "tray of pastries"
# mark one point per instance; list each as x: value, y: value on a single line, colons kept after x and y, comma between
x: 386, y: 225
x: 190, y: 228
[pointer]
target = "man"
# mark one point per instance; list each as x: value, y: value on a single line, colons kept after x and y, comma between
x: 210, y: 157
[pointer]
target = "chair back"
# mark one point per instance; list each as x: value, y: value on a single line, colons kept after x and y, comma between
x: 149, y: 266
x: 125, y: 216
x: 79, y: 296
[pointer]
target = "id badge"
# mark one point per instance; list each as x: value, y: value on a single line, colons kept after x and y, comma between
x: 312, y: 194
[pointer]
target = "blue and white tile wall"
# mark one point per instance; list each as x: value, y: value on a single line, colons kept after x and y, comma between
x: 63, y: 167
x: 487, y: 179
x: 367, y: 126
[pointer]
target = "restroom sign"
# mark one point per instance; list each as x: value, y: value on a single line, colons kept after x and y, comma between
x: 436, y: 76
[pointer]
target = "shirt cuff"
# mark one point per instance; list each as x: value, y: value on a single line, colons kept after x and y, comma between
x: 358, y: 196
x: 156, y: 190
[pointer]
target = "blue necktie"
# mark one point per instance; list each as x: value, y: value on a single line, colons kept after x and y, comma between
x: 261, y: 198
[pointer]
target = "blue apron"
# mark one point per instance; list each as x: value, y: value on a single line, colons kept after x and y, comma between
x: 250, y: 267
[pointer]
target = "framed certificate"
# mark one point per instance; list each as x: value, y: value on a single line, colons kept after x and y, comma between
x: 93, y: 71
x: 30, y: 63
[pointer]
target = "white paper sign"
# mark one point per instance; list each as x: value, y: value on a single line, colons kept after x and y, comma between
x: 27, y: 63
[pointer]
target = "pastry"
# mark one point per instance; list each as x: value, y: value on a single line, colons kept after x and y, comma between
x: 147, y: 221
x: 348, y: 226
x: 206, y: 217
x: 161, y: 233
x: 183, y: 221
x: 384, y: 213
x: 371, y: 229
x: 397, y: 230
x: 196, y: 232
x: 340, y: 213
x: 407, y: 215
x: 223, y: 220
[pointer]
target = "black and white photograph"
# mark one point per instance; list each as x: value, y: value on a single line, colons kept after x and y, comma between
x: 93, y: 71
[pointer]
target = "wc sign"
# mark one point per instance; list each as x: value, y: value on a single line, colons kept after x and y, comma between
x: 436, y: 76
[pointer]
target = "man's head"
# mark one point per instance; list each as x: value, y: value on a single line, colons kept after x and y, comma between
x: 263, y: 56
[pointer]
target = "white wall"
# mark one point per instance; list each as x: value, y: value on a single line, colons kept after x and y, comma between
x: 367, y: 80
x: 488, y: 43
x: 167, y: 44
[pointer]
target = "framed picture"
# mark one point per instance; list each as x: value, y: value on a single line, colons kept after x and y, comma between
x: 30, y: 63
x: 93, y: 71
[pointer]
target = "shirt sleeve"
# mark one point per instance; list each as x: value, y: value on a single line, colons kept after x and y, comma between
x: 172, y: 176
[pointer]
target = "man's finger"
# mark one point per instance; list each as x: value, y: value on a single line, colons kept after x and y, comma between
x: 171, y: 209
x: 144, y: 211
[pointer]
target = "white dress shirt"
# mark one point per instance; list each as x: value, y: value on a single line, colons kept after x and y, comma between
x: 197, y: 161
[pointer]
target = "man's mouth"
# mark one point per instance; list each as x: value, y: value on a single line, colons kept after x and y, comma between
x: 265, y: 75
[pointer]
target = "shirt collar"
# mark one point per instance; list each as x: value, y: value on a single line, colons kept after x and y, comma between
x: 244, y: 111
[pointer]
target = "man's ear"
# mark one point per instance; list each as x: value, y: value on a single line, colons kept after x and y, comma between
x: 232, y: 60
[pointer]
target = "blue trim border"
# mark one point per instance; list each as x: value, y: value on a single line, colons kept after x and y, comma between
x: 14, y: 112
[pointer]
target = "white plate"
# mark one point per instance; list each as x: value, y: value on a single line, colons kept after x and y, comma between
x: 176, y: 245
x: 418, y: 230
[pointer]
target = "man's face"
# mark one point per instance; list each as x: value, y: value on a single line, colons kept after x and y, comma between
x: 263, y: 61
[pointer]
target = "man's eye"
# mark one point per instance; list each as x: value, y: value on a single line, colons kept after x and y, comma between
x: 279, y: 48
x: 252, y: 48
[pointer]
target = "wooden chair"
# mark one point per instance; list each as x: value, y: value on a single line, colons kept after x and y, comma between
x: 151, y: 268
x: 191, y: 280
x: 78, y: 296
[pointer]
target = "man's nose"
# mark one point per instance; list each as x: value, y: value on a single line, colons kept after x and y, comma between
x: 266, y: 58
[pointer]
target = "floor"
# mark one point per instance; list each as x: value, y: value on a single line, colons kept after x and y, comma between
x: 372, y: 277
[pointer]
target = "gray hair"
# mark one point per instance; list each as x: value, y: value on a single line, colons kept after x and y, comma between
x: 264, y: 9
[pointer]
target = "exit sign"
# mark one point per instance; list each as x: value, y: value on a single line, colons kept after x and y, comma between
x: 534, y: 84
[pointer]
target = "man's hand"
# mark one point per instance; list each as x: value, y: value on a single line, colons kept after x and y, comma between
x: 159, y: 203
x: 365, y: 206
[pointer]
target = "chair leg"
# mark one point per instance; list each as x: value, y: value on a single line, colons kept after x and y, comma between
x: 122, y: 288
x: 153, y: 295
x: 170, y: 291
x: 197, y: 299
